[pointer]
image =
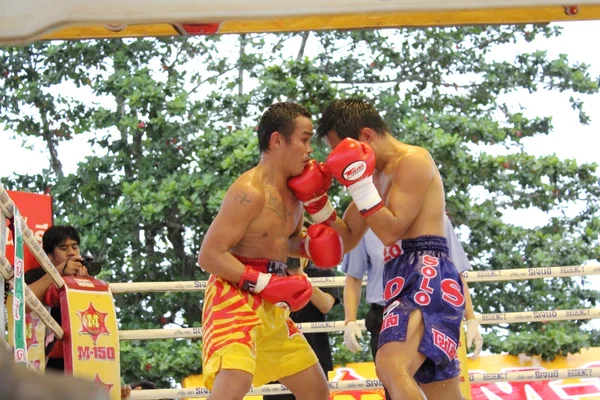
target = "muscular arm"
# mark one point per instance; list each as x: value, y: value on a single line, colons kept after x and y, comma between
x: 227, y: 229
x: 320, y: 299
x: 323, y: 301
x: 352, y: 293
x: 411, y: 180
x: 351, y: 228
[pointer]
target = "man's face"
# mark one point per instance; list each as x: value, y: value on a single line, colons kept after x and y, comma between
x: 68, y: 248
x: 332, y: 139
x: 298, y: 149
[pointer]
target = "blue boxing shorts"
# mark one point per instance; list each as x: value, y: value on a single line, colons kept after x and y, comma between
x: 423, y: 277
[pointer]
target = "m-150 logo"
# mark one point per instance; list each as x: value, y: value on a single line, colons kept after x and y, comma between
x: 93, y: 323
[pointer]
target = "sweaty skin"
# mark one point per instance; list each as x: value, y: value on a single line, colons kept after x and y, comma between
x: 259, y: 217
x: 409, y: 184
x: 411, y: 188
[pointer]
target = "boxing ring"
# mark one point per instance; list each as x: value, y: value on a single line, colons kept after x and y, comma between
x: 6, y: 270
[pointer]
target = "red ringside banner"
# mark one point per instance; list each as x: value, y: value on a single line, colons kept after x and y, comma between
x: 36, y: 209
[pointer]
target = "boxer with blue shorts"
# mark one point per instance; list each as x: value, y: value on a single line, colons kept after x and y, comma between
x: 397, y: 192
x: 423, y: 277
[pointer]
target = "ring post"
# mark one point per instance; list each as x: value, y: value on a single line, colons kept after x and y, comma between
x: 465, y: 384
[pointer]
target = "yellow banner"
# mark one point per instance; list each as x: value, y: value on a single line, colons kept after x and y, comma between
x: 571, y: 389
x: 91, y: 348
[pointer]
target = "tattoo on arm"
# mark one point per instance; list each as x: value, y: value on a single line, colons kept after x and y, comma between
x: 243, y: 198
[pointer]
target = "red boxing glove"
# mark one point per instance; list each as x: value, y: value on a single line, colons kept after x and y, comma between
x: 323, y: 245
x: 352, y: 163
x: 52, y: 296
x: 294, y: 291
x: 310, y: 187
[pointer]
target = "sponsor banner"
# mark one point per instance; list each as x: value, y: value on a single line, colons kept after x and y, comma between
x: 91, y: 348
x: 18, y: 304
x: 35, y: 335
x: 579, y: 387
x: 36, y: 211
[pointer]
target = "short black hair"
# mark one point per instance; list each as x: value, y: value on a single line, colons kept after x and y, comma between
x: 279, y: 117
x: 348, y: 117
x: 56, y: 235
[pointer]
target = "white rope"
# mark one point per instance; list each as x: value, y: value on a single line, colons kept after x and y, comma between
x: 190, y: 333
x: 197, y: 286
x: 152, y: 334
x: 338, y: 281
x: 146, y: 287
x: 40, y: 254
x: 536, y: 375
x: 8, y: 208
x: 261, y: 390
x: 6, y: 270
x: 40, y: 310
x: 531, y: 273
x: 335, y: 326
x: 6, y: 204
x: 539, y: 316
x: 370, y: 384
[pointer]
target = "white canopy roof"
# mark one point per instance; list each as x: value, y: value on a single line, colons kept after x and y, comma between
x: 23, y: 21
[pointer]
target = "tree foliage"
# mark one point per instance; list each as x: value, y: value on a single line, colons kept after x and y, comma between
x: 172, y: 124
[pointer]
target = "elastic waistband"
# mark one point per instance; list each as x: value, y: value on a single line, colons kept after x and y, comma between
x: 424, y: 243
x: 263, y: 265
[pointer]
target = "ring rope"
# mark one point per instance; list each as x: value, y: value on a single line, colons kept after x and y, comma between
x: 338, y: 281
x: 6, y: 204
x: 370, y: 384
x: 8, y: 208
x: 31, y: 300
x: 335, y: 326
x: 40, y: 254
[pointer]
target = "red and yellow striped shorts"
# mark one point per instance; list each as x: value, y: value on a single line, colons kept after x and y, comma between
x: 243, y: 332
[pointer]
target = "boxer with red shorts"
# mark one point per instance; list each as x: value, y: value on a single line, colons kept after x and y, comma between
x: 248, y: 337
x: 397, y: 191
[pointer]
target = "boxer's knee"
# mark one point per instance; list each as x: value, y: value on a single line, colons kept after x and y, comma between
x: 231, y: 384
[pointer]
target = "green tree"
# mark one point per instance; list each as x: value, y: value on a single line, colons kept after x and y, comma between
x: 173, y: 124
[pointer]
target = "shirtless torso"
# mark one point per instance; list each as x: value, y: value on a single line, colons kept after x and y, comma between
x: 397, y: 191
x: 279, y: 217
x: 246, y: 327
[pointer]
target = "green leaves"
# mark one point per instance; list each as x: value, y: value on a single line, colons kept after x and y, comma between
x: 173, y: 122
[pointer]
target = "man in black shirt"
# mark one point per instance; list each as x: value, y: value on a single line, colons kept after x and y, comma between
x: 321, y: 302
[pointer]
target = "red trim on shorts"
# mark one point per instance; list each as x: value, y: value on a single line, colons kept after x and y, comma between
x: 259, y: 264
